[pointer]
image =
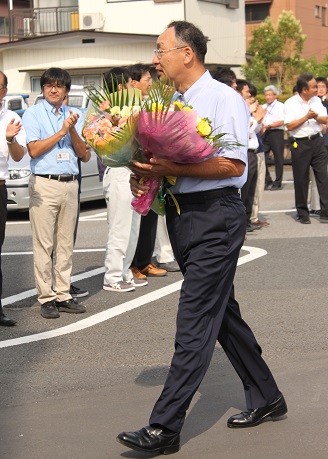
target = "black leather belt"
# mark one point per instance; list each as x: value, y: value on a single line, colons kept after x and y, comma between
x: 309, y: 137
x: 200, y: 196
x: 252, y: 150
x: 2, y: 182
x: 60, y: 178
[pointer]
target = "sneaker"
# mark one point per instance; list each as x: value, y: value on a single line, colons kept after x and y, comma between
x: 70, y: 306
x: 314, y: 213
x: 137, y: 282
x: 170, y: 266
x: 136, y: 273
x: 49, y: 310
x: 77, y: 292
x: 151, y: 270
x: 119, y: 287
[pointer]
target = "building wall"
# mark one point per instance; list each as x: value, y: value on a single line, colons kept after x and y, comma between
x: 142, y: 17
x: 316, y: 43
x: 225, y: 28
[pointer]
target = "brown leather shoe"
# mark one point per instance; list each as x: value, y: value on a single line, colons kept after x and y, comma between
x: 153, y: 271
x: 136, y: 273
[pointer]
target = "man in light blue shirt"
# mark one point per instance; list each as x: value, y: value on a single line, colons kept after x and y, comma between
x: 54, y: 144
x: 206, y: 238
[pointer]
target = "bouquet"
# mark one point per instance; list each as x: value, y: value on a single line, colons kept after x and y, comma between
x: 173, y: 131
x: 110, y: 125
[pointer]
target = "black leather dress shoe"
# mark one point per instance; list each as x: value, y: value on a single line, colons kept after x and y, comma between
x: 255, y: 416
x: 6, y: 322
x: 152, y: 440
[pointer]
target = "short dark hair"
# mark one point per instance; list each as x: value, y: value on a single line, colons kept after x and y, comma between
x: 252, y: 89
x: 224, y: 75
x: 241, y: 84
x: 5, y: 79
x: 56, y: 75
x: 116, y: 76
x: 322, y: 80
x: 138, y: 70
x: 303, y: 81
x: 295, y: 89
x: 188, y: 33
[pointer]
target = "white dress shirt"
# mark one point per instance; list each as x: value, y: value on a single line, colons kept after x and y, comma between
x: 275, y: 112
x: 296, y: 108
x: 5, y: 117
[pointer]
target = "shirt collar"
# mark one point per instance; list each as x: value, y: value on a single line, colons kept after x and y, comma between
x: 203, y: 80
x: 51, y: 108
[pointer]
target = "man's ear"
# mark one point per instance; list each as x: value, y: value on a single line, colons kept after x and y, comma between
x: 134, y: 83
x: 188, y: 54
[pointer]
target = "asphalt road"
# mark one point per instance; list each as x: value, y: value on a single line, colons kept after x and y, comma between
x: 69, y: 386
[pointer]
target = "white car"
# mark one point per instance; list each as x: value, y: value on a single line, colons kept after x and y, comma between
x: 19, y: 175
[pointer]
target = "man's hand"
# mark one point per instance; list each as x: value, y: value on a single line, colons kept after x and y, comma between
x: 311, y: 114
x: 13, y: 129
x: 137, y: 189
x: 156, y: 168
x: 70, y: 122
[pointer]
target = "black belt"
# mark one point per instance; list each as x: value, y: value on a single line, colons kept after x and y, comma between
x: 200, y: 196
x: 2, y: 182
x: 309, y: 137
x: 252, y: 150
x: 60, y: 178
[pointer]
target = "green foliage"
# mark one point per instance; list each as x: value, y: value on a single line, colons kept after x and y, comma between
x: 122, y: 97
x: 276, y: 51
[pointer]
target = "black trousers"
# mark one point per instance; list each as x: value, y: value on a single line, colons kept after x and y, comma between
x: 206, y: 239
x: 146, y: 240
x: 3, y: 219
x: 273, y: 140
x: 310, y: 153
x: 248, y: 190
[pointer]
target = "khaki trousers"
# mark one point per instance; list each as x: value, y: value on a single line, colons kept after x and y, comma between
x: 53, y: 212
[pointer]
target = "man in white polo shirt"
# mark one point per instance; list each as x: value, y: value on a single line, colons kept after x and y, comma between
x: 304, y: 116
x: 13, y: 143
x: 273, y: 136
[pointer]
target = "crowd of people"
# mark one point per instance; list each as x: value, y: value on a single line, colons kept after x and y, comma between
x: 304, y: 117
x: 51, y: 133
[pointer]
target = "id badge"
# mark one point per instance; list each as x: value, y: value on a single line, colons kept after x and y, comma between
x: 63, y: 156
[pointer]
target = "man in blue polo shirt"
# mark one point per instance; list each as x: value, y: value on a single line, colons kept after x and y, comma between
x: 54, y: 144
x: 206, y: 238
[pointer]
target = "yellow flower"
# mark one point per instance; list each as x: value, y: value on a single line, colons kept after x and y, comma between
x: 178, y: 104
x: 186, y: 108
x: 115, y: 110
x: 203, y: 127
x: 155, y: 107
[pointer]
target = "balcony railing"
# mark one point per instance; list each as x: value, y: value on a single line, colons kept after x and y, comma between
x: 42, y: 21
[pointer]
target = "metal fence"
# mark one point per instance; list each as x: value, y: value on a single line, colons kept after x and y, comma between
x: 42, y: 21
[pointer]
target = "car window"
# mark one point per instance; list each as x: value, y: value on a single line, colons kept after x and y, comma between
x: 75, y: 100
x: 15, y: 104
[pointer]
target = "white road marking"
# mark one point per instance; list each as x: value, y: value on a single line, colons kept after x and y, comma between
x: 254, y: 253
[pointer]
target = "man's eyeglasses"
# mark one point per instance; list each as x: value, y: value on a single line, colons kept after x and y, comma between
x: 56, y: 86
x: 160, y: 52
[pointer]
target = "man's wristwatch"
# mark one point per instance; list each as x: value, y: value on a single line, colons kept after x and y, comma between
x: 13, y: 140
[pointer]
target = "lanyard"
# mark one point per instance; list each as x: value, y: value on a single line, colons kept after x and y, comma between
x: 61, y: 142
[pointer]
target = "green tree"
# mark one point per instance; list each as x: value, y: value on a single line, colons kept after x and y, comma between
x: 276, y: 51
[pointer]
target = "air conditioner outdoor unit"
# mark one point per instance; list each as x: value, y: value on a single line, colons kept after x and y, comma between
x: 92, y: 21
